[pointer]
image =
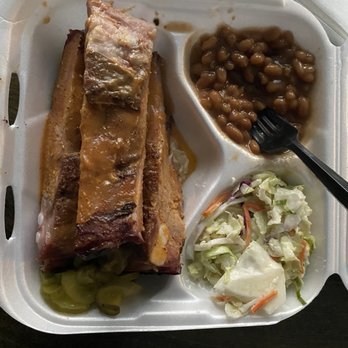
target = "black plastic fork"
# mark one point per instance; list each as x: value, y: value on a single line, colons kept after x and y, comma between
x: 274, y: 134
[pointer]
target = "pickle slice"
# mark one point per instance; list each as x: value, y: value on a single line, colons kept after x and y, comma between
x: 81, y: 294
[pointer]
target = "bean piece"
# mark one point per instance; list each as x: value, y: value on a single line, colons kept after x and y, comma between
x: 275, y: 86
x: 208, y: 57
x: 304, y: 57
x: 216, y: 99
x: 245, y: 45
x: 218, y: 86
x: 288, y: 37
x: 254, y: 147
x: 303, y: 106
x: 308, y: 77
x: 235, y: 104
x: 234, y: 116
x: 203, y: 93
x: 206, y: 103
x: 292, y: 104
x: 257, y: 58
x: 280, y: 43
x: 280, y: 105
x: 246, y: 105
x: 287, y: 70
x: 263, y: 78
x: 225, y: 30
x: 246, y: 136
x: 234, y: 133
x: 244, y: 123
x: 226, y: 108
x: 268, y: 60
x: 213, y: 64
x: 252, y: 116
x: 290, y: 94
x: 273, y: 70
x: 207, y: 78
x: 209, y: 43
x: 249, y: 75
x: 258, y: 105
x: 229, y: 65
x: 197, y: 69
x: 308, y: 68
x: 221, y: 75
x: 233, y: 90
x: 221, y: 120
x: 239, y: 59
x: 222, y: 55
x: 272, y: 34
x: 231, y: 39
x: 260, y: 47
x: 297, y: 65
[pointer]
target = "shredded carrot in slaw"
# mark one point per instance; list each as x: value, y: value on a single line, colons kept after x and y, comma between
x: 246, y: 206
x: 264, y: 300
x: 223, y: 197
x: 302, y: 255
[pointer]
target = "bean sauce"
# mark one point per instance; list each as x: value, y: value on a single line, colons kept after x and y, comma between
x: 238, y: 73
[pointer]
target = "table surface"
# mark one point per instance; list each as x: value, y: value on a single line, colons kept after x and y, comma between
x: 324, y: 323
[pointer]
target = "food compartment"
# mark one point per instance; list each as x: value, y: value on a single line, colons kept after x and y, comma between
x: 319, y: 137
x: 321, y: 265
x: 292, y: 18
x: 166, y: 302
x: 41, y: 50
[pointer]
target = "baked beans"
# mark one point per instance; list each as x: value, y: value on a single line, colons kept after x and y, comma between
x: 239, y: 73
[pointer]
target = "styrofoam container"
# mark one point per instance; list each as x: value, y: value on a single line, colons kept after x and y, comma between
x: 32, y: 49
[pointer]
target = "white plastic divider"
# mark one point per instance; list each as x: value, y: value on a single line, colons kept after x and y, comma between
x: 343, y: 168
x: 5, y: 77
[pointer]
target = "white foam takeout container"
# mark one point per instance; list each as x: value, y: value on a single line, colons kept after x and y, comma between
x: 32, y: 49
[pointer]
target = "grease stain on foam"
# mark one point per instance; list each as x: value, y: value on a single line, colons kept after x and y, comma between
x: 230, y: 11
x: 235, y: 157
x: 178, y: 27
x: 44, y: 3
x: 46, y: 19
x: 221, y: 12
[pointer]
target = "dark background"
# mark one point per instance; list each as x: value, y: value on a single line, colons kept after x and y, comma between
x: 324, y: 323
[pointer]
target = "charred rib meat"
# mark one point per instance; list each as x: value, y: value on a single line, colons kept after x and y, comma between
x: 60, y: 161
x: 118, y: 54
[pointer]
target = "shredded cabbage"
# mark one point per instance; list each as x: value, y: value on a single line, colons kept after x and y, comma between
x: 245, y: 257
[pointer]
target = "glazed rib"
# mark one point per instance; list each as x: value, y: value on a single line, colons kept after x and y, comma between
x: 112, y: 163
x: 163, y: 216
x: 118, y: 55
x: 60, y: 161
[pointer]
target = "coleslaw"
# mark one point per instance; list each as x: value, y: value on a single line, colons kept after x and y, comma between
x: 254, y: 241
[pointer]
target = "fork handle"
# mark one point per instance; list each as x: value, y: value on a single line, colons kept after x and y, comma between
x: 334, y: 183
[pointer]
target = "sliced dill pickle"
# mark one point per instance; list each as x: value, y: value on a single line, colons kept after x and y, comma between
x: 49, y: 278
x: 61, y: 302
x: 109, y: 299
x: 81, y: 294
x: 104, y: 277
x: 50, y: 288
x: 127, y: 288
x: 86, y: 275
